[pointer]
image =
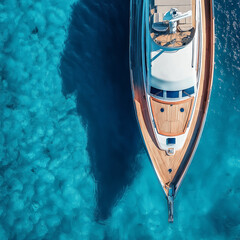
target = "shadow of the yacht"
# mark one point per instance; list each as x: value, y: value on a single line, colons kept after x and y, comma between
x: 95, y: 66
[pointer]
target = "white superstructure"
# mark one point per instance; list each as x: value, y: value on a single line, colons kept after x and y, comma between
x: 173, y: 43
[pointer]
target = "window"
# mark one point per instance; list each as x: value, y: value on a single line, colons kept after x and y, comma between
x: 172, y: 94
x: 157, y: 92
x: 188, y: 91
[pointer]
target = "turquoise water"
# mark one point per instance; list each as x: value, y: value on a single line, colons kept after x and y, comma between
x: 73, y: 165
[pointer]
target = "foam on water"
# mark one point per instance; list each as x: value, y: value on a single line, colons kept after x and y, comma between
x: 74, y: 168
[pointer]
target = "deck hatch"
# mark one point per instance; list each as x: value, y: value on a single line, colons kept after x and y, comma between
x: 171, y: 141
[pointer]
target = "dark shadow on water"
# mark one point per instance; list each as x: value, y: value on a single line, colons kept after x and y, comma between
x: 95, y: 67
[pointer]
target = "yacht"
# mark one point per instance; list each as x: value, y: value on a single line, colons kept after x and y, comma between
x: 171, y: 68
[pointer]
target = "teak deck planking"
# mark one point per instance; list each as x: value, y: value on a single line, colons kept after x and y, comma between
x: 172, y: 118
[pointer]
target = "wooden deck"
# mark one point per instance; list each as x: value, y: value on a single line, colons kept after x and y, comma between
x: 177, y: 39
x: 182, y: 158
x: 171, y: 118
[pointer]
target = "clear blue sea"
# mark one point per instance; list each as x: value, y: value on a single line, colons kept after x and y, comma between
x: 72, y: 162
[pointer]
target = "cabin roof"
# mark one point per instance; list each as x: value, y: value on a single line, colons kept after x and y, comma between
x: 177, y: 73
